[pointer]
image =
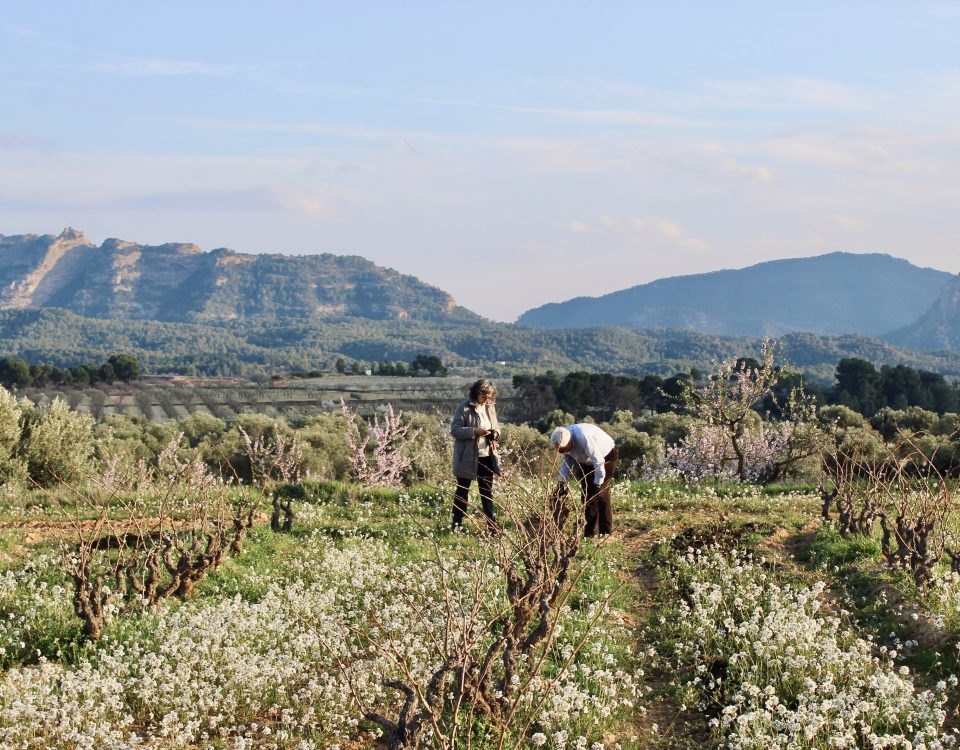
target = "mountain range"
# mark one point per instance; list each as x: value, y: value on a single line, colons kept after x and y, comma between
x: 64, y: 299
x: 833, y: 294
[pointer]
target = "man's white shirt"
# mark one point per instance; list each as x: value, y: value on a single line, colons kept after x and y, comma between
x: 590, y: 446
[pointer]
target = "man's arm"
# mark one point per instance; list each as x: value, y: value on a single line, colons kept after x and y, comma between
x: 599, y: 469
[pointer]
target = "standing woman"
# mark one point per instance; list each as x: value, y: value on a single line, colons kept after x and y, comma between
x: 475, y: 430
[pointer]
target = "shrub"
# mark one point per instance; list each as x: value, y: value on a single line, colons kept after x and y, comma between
x: 637, y: 449
x: 12, y: 466
x: 58, y: 444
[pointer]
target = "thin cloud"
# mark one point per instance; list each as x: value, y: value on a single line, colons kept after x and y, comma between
x: 590, y: 115
x: 203, y: 199
x: 715, y: 158
x: 647, y: 228
x: 877, y: 151
x: 163, y: 67
x: 661, y: 108
x: 358, y: 134
x: 785, y: 94
x: 24, y: 142
x: 253, y: 199
x: 850, y: 222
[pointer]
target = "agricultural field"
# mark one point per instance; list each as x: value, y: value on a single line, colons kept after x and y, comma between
x: 714, y: 616
x: 773, y: 581
x: 161, y: 399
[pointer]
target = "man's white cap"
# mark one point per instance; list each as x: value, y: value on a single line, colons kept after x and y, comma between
x: 560, y: 437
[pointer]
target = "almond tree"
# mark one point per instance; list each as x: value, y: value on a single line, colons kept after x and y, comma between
x: 728, y: 435
x: 271, y: 459
x: 390, y: 442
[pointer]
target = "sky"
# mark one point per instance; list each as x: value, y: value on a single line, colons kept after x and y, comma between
x: 510, y: 153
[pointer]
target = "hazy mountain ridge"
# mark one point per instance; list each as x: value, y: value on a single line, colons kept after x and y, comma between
x: 938, y: 328
x: 832, y: 294
x: 122, y: 280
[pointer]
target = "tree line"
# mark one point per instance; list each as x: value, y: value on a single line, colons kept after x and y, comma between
x: 422, y: 364
x: 858, y: 385
x: 18, y: 373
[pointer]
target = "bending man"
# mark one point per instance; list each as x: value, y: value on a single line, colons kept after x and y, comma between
x: 591, y: 454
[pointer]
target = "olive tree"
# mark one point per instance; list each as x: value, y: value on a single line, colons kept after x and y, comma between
x: 12, y: 409
x: 57, y: 444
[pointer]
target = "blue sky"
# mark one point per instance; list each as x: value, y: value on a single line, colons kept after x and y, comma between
x: 509, y: 153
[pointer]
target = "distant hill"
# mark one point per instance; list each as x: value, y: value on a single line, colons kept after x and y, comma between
x: 178, y: 282
x: 938, y: 328
x: 833, y: 294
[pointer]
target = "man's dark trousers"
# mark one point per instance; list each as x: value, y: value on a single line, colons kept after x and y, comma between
x: 597, y: 506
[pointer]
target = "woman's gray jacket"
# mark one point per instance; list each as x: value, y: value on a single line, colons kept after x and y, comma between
x: 465, y: 448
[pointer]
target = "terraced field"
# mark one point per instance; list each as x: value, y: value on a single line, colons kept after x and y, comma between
x: 163, y: 399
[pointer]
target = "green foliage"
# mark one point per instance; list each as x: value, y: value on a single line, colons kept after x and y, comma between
x: 125, y: 367
x: 15, y: 373
x: 842, y: 416
x: 428, y: 363
x: 12, y: 466
x: 888, y: 422
x: 593, y: 394
x: 131, y: 437
x: 867, y: 390
x: 528, y: 448
x: 18, y: 373
x: 671, y: 428
x: 636, y: 448
x: 325, y: 452
x: 58, y: 444
x: 200, y: 427
x: 556, y: 418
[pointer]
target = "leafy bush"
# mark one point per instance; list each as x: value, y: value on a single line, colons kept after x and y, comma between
x: 58, y: 444
x: 12, y: 466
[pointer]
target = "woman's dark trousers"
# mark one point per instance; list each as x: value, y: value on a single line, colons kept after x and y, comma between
x: 485, y: 485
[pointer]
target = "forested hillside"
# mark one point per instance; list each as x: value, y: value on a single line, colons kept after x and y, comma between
x: 245, y: 347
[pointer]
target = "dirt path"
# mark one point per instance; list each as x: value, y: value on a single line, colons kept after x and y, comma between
x: 658, y: 721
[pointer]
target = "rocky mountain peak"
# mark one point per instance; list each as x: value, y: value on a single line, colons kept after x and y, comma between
x: 178, y: 281
x: 73, y: 236
x: 112, y: 243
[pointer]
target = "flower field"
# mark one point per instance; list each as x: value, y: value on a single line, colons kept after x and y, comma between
x: 724, y: 616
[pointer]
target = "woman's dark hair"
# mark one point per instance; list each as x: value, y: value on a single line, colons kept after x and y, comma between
x: 484, y: 385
